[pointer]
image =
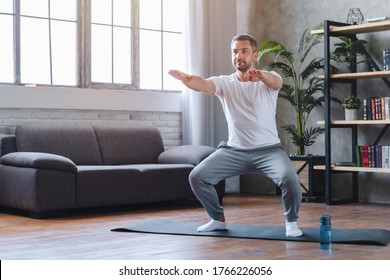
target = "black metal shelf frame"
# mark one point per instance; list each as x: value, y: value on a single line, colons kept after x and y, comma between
x: 327, y: 108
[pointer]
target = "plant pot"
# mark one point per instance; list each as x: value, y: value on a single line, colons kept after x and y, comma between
x: 351, y: 114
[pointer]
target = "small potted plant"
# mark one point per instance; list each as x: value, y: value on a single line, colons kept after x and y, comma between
x: 351, y: 104
x: 349, y: 51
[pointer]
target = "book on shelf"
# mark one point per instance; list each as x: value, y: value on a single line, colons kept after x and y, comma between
x: 358, y: 156
x: 386, y: 60
x: 377, y: 156
x: 378, y: 19
x: 376, y: 108
x: 345, y: 163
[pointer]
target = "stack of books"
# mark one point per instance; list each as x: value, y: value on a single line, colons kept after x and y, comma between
x: 376, y: 108
x: 372, y: 156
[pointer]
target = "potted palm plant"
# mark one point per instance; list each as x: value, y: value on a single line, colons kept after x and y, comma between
x: 303, y: 88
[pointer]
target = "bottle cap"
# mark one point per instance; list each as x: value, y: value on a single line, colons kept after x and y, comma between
x: 325, y: 219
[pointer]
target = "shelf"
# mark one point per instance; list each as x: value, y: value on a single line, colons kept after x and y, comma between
x: 359, y: 75
x: 356, y: 29
x: 335, y: 29
x: 353, y: 169
x: 344, y: 122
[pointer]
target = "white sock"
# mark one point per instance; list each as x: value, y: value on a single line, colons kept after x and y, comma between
x: 212, y: 225
x: 292, y: 229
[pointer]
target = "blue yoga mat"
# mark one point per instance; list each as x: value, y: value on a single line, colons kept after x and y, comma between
x: 346, y: 236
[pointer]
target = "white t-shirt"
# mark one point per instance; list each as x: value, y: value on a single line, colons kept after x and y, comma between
x: 250, y: 110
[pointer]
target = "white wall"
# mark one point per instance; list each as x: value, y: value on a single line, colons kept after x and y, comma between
x: 91, y: 99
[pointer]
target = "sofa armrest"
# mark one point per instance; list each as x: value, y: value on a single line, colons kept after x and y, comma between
x: 188, y: 154
x: 39, y: 160
x: 7, y: 144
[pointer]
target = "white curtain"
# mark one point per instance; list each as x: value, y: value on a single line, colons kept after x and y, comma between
x: 198, y: 108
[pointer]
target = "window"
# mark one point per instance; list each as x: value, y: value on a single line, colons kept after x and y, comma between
x: 127, y: 44
x: 161, y: 46
x: 48, y: 42
x: 7, y: 68
x: 111, y: 43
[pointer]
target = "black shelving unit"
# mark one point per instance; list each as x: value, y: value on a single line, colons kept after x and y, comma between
x: 335, y: 29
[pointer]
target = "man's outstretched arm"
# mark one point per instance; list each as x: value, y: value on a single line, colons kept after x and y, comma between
x: 193, y: 82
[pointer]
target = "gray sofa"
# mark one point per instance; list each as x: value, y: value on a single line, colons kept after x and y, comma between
x: 50, y: 169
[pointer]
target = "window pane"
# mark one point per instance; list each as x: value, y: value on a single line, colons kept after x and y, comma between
x: 38, y: 8
x: 122, y: 12
x: 150, y: 59
x: 173, y: 57
x: 172, y: 19
x: 7, y: 6
x: 122, y: 55
x: 101, y: 11
x: 61, y: 9
x: 6, y: 49
x: 150, y: 14
x: 64, y: 53
x: 35, y: 60
x: 101, y: 56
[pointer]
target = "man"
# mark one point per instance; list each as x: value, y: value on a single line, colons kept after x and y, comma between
x: 248, y: 98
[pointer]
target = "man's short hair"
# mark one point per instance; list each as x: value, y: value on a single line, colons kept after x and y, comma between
x: 246, y: 37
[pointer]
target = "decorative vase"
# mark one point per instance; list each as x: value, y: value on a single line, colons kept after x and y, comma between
x: 351, y: 114
x: 355, y: 16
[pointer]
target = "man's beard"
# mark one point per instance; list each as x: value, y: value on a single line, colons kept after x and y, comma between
x: 243, y: 67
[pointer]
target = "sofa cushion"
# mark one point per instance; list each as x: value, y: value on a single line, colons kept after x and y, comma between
x: 129, y: 144
x: 189, y: 154
x: 76, y: 142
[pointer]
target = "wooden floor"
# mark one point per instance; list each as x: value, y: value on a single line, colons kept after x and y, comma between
x: 87, y: 236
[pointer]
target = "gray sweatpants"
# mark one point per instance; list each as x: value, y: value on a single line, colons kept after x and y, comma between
x: 226, y: 161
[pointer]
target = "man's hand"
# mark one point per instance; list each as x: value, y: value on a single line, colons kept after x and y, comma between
x: 270, y: 80
x: 254, y: 75
x: 180, y: 75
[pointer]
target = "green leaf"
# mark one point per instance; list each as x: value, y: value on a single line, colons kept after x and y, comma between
x: 311, y: 135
